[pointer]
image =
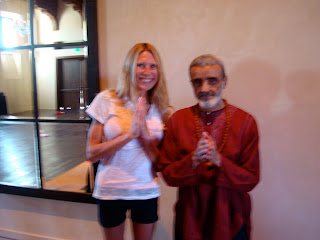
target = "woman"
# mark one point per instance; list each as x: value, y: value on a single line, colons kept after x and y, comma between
x: 126, y: 131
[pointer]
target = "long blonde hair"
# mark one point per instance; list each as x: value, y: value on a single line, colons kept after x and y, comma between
x: 127, y: 86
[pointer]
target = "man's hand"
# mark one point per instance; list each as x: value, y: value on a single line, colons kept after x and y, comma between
x: 206, y: 151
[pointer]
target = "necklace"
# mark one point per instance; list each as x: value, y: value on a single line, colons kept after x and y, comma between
x: 226, y: 130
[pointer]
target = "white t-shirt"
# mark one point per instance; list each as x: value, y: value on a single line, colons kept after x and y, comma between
x: 128, y: 174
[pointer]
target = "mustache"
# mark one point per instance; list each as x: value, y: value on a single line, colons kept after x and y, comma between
x: 205, y: 94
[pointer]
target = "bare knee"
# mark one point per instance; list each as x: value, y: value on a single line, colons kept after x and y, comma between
x: 143, y: 231
x: 114, y: 233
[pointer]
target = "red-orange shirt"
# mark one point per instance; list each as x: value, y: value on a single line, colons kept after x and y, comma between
x: 213, y: 203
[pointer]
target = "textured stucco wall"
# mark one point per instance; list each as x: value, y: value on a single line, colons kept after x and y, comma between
x: 272, y: 57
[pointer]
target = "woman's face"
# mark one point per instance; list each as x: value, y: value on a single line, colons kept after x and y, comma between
x: 146, y: 72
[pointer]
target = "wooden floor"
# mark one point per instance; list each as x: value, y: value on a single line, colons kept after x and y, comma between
x: 62, y: 148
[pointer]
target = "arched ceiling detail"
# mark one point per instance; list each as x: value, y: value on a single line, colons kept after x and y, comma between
x: 50, y: 8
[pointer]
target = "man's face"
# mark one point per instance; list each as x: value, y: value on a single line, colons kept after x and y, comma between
x: 208, y: 85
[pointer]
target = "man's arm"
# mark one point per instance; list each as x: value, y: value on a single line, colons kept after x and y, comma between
x: 177, y: 168
x: 245, y: 175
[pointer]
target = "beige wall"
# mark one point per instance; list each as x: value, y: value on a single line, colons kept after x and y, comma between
x: 272, y: 56
x: 271, y: 51
x: 15, y: 81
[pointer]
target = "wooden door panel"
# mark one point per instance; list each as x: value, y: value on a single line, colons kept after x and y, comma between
x: 69, y: 82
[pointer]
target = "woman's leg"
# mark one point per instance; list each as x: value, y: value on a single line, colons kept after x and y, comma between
x: 144, y: 215
x: 112, y: 215
x: 114, y: 233
x: 143, y: 231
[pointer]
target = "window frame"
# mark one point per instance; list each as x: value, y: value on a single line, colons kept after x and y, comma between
x: 93, y: 87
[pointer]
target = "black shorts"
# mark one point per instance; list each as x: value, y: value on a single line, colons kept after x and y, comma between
x: 112, y: 213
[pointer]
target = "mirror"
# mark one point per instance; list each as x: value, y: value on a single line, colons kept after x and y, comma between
x: 43, y: 95
x: 62, y: 88
x: 18, y: 159
x: 63, y: 155
x: 15, y: 23
x: 59, y: 21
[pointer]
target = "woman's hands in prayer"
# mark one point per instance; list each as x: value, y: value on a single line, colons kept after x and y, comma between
x: 139, y: 124
x: 206, y: 151
x: 140, y: 131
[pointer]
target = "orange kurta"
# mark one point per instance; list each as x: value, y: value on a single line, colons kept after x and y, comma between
x: 213, y: 203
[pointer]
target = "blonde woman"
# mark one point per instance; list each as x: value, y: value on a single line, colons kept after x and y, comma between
x: 124, y: 136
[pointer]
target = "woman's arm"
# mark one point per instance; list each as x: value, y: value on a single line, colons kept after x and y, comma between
x: 150, y: 145
x: 97, y: 149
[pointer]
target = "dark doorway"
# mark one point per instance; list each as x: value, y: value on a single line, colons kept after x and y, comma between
x: 72, y: 86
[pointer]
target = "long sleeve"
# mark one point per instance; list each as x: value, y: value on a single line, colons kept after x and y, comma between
x: 242, y: 174
x: 179, y: 143
x: 176, y: 169
x: 213, y: 202
x: 240, y: 157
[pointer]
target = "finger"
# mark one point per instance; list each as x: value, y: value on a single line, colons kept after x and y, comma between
x: 138, y: 105
x: 143, y: 103
x: 206, y: 135
x: 211, y: 139
x: 203, y: 141
x: 140, y: 100
x: 143, y: 115
x: 198, y: 155
x: 203, y: 136
x: 202, y: 158
x: 135, y: 117
x: 201, y: 152
x: 204, y: 147
x: 211, y: 145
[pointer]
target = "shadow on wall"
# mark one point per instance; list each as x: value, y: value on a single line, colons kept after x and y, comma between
x: 287, y: 112
x: 303, y: 87
x: 255, y: 84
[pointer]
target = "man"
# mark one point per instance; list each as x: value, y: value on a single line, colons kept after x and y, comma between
x: 210, y: 151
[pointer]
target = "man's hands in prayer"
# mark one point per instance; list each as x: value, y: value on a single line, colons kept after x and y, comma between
x: 206, y: 151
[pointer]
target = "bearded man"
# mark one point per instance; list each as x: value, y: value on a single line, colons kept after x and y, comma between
x: 210, y: 151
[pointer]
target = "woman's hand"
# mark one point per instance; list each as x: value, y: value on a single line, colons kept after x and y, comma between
x: 134, y: 131
x: 139, y: 122
x: 140, y: 118
x: 97, y: 148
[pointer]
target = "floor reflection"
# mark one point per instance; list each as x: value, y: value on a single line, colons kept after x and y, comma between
x: 17, y: 158
x: 63, y: 156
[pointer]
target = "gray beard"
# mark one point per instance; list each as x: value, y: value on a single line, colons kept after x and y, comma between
x: 210, y: 103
